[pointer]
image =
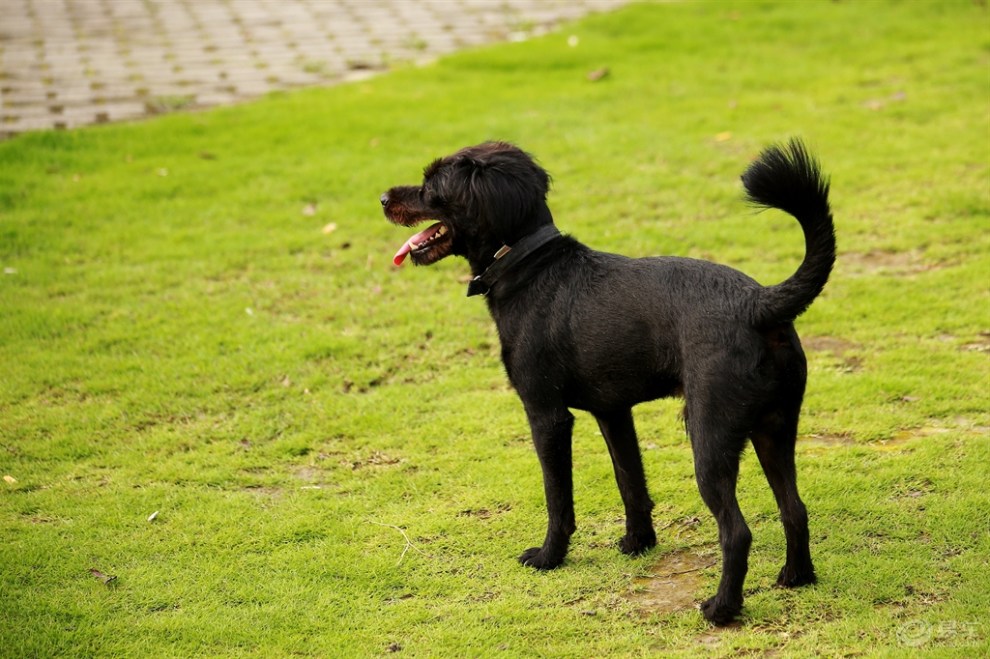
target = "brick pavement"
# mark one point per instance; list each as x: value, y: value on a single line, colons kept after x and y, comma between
x: 68, y: 63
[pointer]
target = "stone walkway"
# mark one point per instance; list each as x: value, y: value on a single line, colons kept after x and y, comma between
x: 67, y: 63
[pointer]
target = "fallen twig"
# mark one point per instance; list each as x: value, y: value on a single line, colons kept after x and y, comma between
x: 409, y: 543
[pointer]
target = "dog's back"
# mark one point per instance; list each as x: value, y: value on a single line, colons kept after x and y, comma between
x: 611, y: 330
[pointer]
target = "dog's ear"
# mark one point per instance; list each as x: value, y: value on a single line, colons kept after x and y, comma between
x: 507, y: 190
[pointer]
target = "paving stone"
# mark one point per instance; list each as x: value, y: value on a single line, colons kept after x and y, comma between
x: 24, y: 97
x: 71, y: 97
x: 68, y: 63
x: 120, y: 111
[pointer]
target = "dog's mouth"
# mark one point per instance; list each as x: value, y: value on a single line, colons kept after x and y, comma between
x: 427, y: 246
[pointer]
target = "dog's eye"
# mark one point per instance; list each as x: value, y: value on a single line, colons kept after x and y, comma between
x: 435, y: 200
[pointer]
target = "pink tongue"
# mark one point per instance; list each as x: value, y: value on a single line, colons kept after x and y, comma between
x: 418, y: 239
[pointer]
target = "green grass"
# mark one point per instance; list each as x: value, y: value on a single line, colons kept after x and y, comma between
x: 337, y: 463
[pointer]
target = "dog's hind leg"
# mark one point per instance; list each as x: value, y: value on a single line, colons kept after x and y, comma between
x: 552, y: 438
x: 716, y: 465
x: 774, y: 442
x: 620, y: 436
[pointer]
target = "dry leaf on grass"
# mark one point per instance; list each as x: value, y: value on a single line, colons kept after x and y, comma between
x: 598, y: 74
x: 105, y: 578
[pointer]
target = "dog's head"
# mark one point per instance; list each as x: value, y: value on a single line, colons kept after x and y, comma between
x: 480, y: 198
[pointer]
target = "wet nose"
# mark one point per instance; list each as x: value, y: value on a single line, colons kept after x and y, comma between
x: 384, y: 199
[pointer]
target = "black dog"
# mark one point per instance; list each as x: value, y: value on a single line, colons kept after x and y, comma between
x: 600, y: 332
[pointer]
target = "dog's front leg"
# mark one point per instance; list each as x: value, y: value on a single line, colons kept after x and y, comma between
x: 552, y: 437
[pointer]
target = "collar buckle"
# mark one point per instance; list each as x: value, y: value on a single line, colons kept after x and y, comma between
x: 477, y: 287
x: 482, y: 284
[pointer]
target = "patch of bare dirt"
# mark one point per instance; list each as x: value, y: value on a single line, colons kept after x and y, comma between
x: 485, y: 513
x: 671, y: 584
x: 903, y: 436
x: 264, y: 491
x: 842, y: 350
x: 374, y: 459
x: 310, y: 474
x: 885, y: 262
x: 827, y: 440
x: 900, y: 440
x: 981, y: 344
x: 832, y: 344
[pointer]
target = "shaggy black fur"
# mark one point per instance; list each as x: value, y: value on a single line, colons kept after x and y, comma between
x: 588, y: 330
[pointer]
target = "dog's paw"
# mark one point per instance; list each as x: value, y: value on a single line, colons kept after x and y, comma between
x: 790, y: 577
x: 720, y: 613
x: 539, y: 559
x: 634, y: 545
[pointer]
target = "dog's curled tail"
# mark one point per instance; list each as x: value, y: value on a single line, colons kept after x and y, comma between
x: 790, y: 179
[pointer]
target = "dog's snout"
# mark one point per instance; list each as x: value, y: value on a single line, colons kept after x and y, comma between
x: 384, y: 199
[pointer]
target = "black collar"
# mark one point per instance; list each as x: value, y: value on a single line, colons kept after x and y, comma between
x: 506, y: 257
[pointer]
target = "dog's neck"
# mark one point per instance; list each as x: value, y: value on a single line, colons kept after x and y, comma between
x: 509, y: 256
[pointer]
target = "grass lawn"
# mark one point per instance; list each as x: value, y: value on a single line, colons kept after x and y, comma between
x: 229, y: 426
